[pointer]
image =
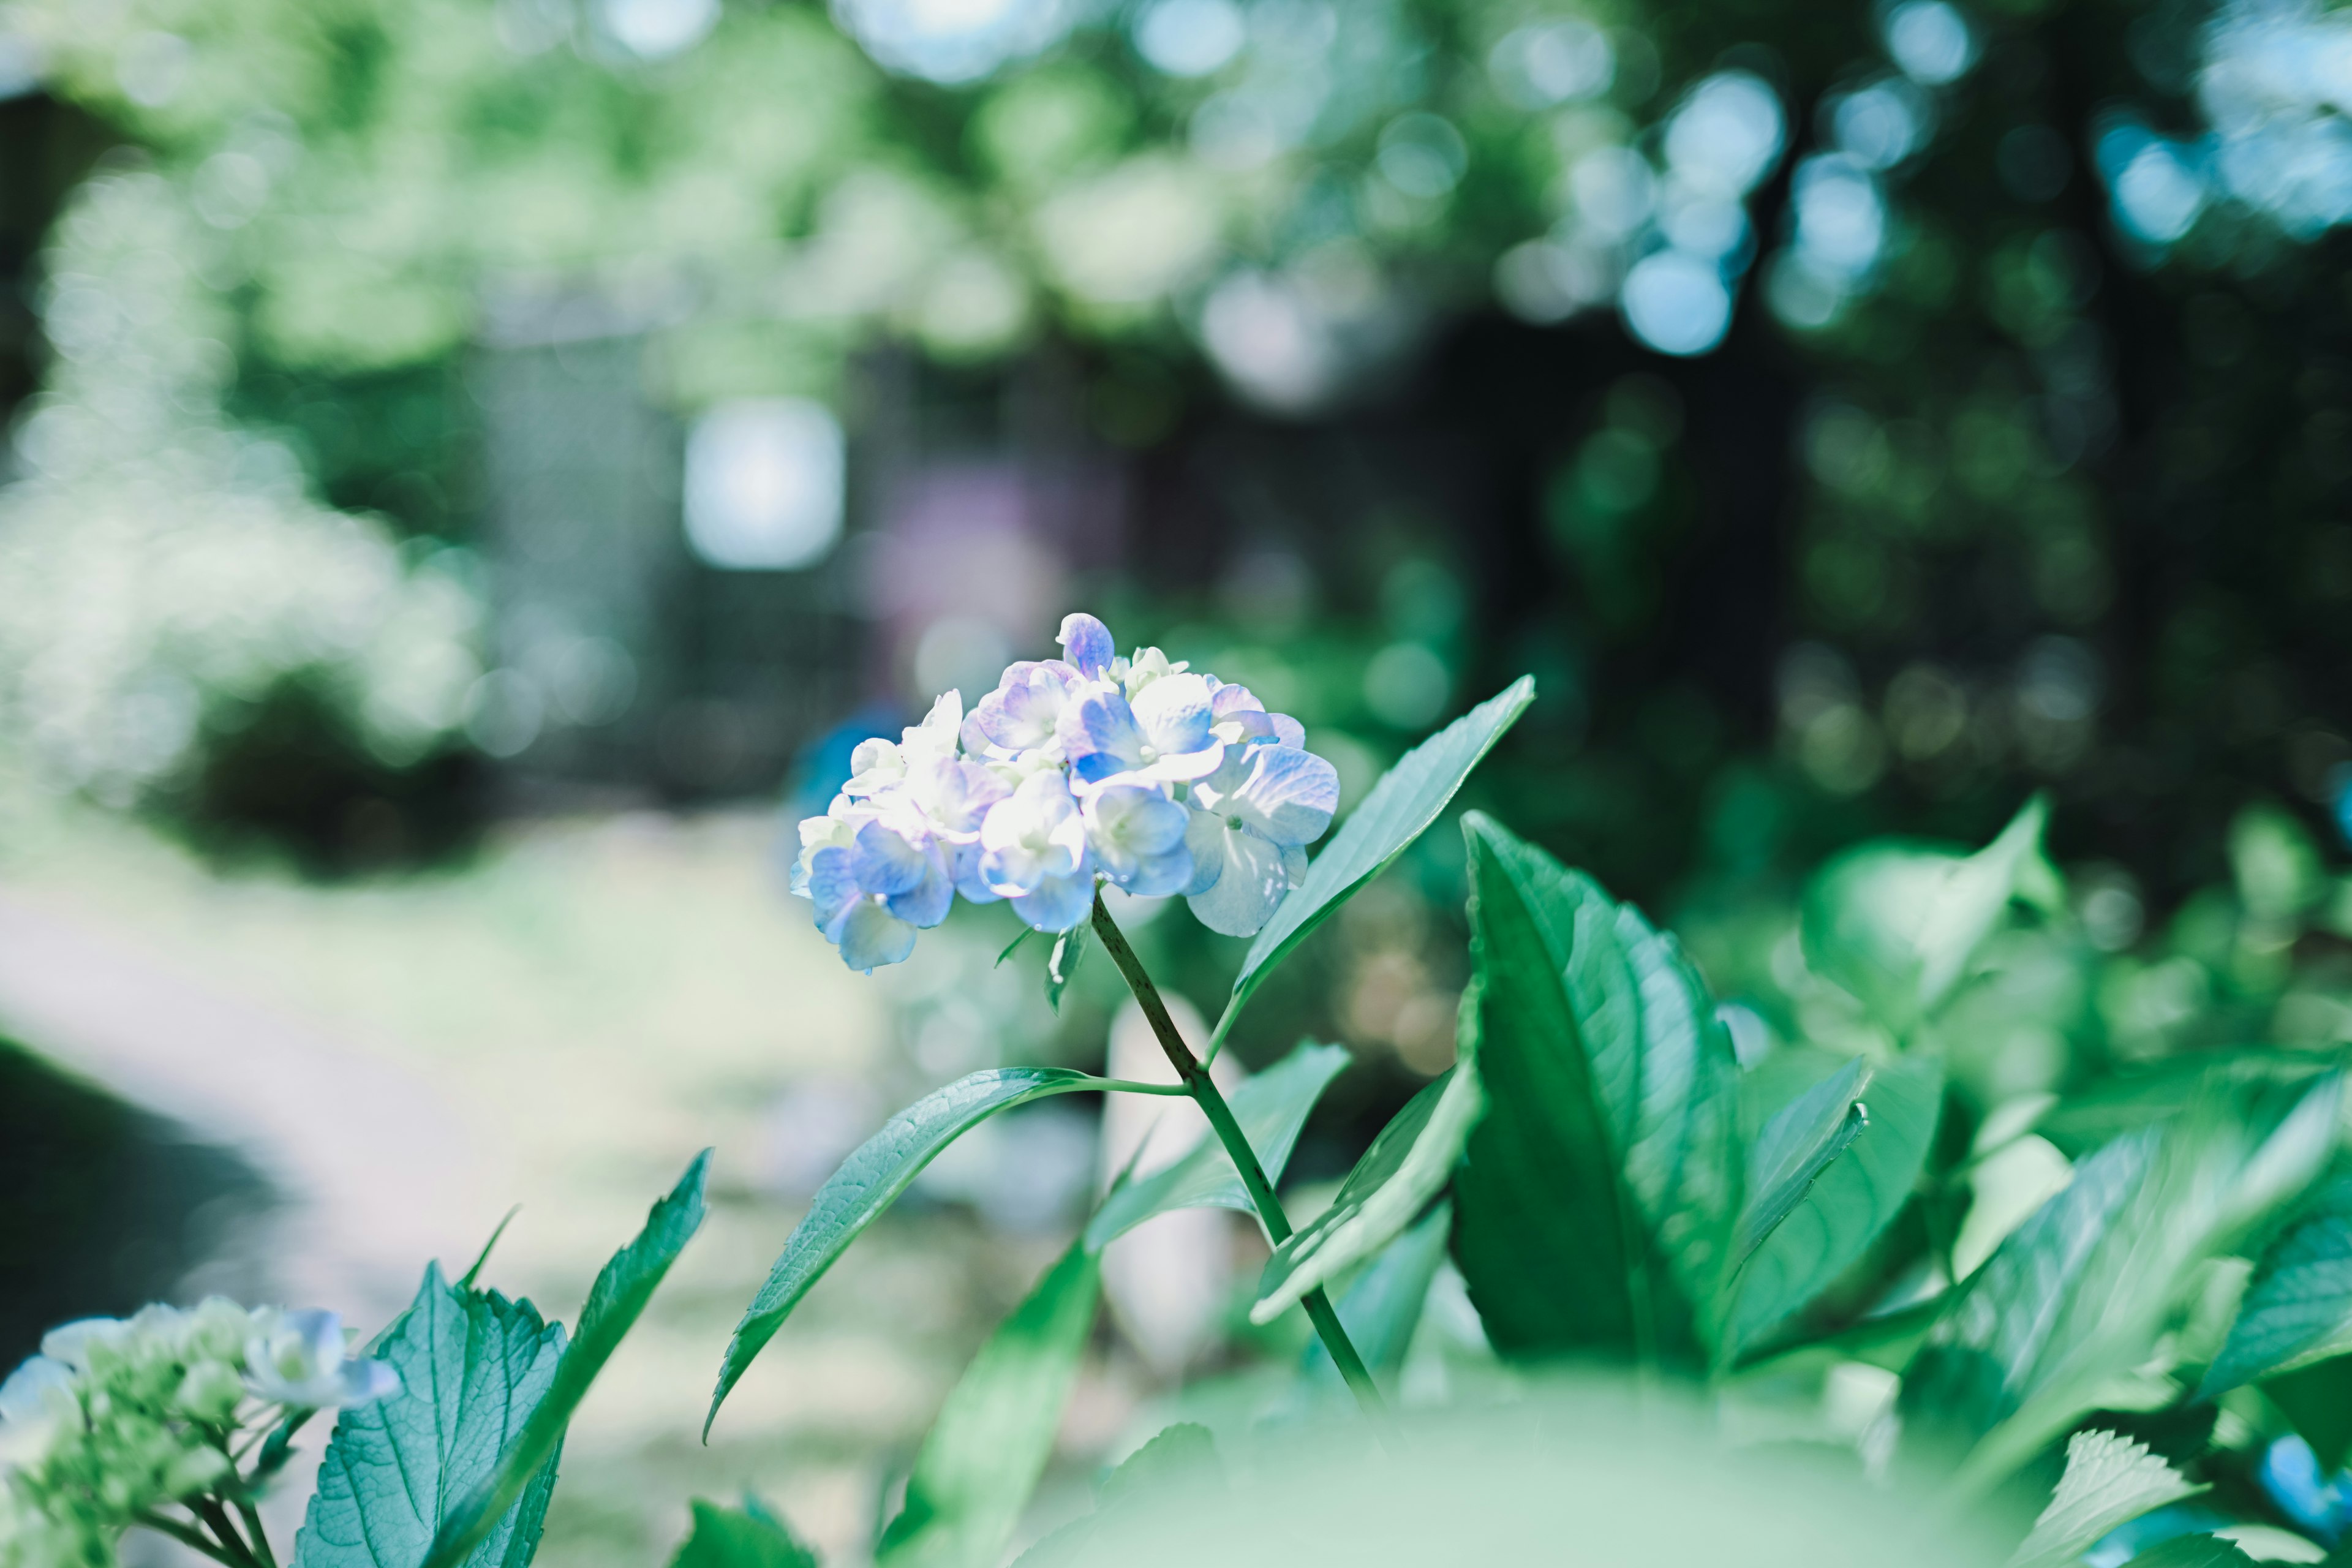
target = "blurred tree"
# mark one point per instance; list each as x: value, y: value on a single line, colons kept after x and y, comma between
x: 1852, y: 414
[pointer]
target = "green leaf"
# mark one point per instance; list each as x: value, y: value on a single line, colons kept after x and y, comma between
x: 1407, y: 1165
x: 1400, y: 809
x: 2316, y: 1397
x: 1853, y: 1202
x: 1062, y: 964
x: 473, y: 1367
x: 2192, y: 1552
x: 2110, y: 1480
x: 2075, y: 1297
x: 1013, y: 946
x: 2298, y: 1306
x: 1793, y: 1150
x: 1595, y: 1212
x: 1895, y: 924
x: 1381, y: 1307
x: 975, y: 1471
x: 747, y: 1537
x: 623, y: 1287
x: 869, y: 1182
x: 1271, y: 1108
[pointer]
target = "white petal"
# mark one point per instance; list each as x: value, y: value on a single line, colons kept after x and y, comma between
x: 1251, y: 882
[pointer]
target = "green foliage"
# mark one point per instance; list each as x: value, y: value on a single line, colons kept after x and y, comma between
x: 2074, y: 1299
x: 1793, y: 1150
x: 1271, y: 1108
x: 1895, y: 924
x: 1596, y: 1212
x: 2316, y: 1397
x: 1400, y: 809
x: 1851, y: 1202
x: 2108, y: 1480
x: 622, y: 1288
x: 2298, y: 1306
x: 747, y: 1537
x: 473, y: 1367
x: 1406, y: 1167
x: 1381, y: 1306
x: 992, y: 1439
x: 869, y: 1182
x: 2193, y: 1552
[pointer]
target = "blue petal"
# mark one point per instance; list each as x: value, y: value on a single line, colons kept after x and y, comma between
x: 872, y: 936
x: 1100, y: 735
x: 1058, y: 903
x: 832, y: 885
x: 884, y: 862
x: 925, y: 904
x: 1087, y: 643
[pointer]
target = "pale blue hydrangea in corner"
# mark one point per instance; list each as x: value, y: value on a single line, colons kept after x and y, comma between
x: 1137, y: 771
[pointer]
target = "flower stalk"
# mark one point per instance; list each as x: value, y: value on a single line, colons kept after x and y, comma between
x: 1205, y: 1092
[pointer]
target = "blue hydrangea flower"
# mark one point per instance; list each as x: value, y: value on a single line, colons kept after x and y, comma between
x: 1092, y: 767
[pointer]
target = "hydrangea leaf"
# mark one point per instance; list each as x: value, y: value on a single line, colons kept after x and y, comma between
x: 2076, y: 1295
x: 473, y: 1367
x: 1381, y: 1307
x: 2110, y: 1480
x: 2298, y: 1306
x: 1895, y: 924
x: 1407, y: 1165
x: 1271, y: 1108
x: 1400, y: 809
x: 747, y: 1537
x: 1854, y: 1200
x: 1595, y: 1214
x: 869, y: 1182
x: 975, y: 1471
x: 2193, y: 1552
x: 618, y: 1297
x: 1795, y: 1147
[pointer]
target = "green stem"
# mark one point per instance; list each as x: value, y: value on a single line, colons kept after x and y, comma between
x: 255, y: 1535
x: 195, y: 1540
x: 213, y: 1514
x: 1204, y: 1090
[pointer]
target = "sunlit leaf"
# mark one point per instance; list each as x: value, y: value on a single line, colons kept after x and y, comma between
x: 1595, y: 1211
x: 1793, y: 1150
x: 869, y: 1182
x: 2298, y: 1306
x: 1400, y: 809
x: 1407, y: 1165
x: 1897, y: 923
x: 623, y: 1287
x: 473, y: 1367
x: 1271, y: 1108
x: 1381, y: 1306
x: 2075, y: 1296
x: 748, y: 1537
x: 2108, y: 1480
x: 975, y: 1471
x: 1853, y: 1202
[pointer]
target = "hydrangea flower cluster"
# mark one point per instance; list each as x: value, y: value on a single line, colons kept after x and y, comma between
x: 116, y: 1417
x: 1134, y: 771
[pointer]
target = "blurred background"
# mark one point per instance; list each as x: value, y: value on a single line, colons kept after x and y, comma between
x: 475, y: 468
